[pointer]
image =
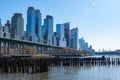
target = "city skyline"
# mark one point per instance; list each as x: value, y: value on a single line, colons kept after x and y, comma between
x: 99, y: 29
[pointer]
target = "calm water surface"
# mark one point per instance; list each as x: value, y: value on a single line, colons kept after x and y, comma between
x: 111, y: 72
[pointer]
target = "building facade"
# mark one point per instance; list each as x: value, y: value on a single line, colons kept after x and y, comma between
x: 74, y: 38
x: 30, y: 29
x: 33, y: 29
x: 86, y: 47
x: 61, y: 41
x: 1, y: 30
x: 4, y: 31
x: 38, y: 26
x: 8, y: 23
x: 67, y: 33
x: 17, y: 26
x: 48, y: 30
x: 82, y: 44
x: 0, y: 22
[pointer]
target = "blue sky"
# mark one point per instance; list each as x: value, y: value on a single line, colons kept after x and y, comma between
x: 98, y: 20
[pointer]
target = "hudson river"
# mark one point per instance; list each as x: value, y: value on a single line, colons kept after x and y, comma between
x: 87, y: 72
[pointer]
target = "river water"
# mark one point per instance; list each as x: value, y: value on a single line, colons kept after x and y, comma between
x: 111, y: 72
x: 87, y: 72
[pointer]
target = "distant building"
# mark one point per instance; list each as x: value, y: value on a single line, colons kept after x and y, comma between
x: 17, y: 26
x: 82, y: 44
x: 8, y: 23
x: 61, y: 41
x: 74, y: 38
x: 6, y: 32
x: 0, y: 22
x: 38, y: 26
x: 30, y: 29
x: 48, y: 30
x: 54, y: 39
x: 86, y: 47
x: 33, y: 28
x: 91, y: 49
x: 1, y: 31
x: 67, y: 33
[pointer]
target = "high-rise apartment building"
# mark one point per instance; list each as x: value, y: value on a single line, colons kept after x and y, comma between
x: 1, y: 29
x: 17, y: 26
x: 33, y: 28
x: 30, y: 29
x: 48, y: 30
x: 74, y: 38
x: 38, y: 26
x: 0, y: 22
x: 67, y: 33
x: 61, y: 41
x: 82, y: 44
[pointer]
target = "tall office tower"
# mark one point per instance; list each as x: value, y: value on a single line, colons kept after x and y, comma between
x: 1, y: 29
x: 82, y: 44
x: 38, y: 26
x: 30, y: 29
x: 61, y: 41
x: 33, y: 28
x: 74, y: 38
x: 86, y: 46
x: 0, y: 21
x: 67, y: 33
x: 48, y: 30
x: 17, y: 26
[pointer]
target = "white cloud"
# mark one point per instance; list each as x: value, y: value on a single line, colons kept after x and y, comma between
x: 93, y: 4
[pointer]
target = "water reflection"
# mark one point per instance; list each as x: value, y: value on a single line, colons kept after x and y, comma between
x: 86, y: 72
x: 44, y: 76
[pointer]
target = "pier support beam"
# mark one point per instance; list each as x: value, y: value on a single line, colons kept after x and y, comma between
x: 0, y: 50
x: 5, y: 49
x: 8, y: 48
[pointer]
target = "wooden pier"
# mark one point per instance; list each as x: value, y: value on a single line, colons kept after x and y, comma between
x: 41, y: 64
x: 24, y: 64
x: 81, y: 61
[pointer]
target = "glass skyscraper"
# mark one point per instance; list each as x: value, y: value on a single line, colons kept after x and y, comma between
x: 74, y: 38
x: 17, y: 26
x: 30, y: 29
x: 1, y: 29
x: 61, y: 41
x: 48, y: 30
x: 33, y: 28
x: 67, y: 33
x: 82, y: 44
x: 0, y: 22
x: 38, y: 26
